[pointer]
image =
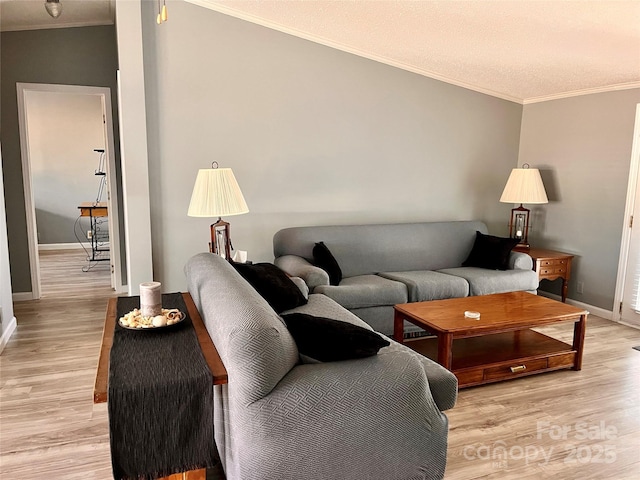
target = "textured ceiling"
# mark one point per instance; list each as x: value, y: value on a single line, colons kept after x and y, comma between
x: 520, y: 50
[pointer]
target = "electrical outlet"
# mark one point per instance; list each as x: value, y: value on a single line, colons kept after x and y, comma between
x: 89, y: 234
x: 580, y: 287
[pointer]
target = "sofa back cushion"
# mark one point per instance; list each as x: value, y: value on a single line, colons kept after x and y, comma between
x: 370, y: 249
x: 253, y: 341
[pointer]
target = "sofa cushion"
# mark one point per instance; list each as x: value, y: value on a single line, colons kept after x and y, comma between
x: 365, y: 291
x: 484, y: 282
x: 490, y: 252
x: 322, y: 306
x: 423, y: 285
x: 323, y: 258
x: 272, y: 284
x: 329, y: 340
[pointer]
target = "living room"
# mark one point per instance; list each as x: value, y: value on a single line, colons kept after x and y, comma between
x: 444, y: 151
x: 320, y: 136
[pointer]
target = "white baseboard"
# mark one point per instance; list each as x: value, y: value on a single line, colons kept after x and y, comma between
x: 6, y: 335
x: 600, y: 312
x: 621, y: 322
x: 22, y: 296
x: 64, y: 246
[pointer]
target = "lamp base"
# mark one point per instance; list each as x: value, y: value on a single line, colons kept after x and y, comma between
x: 519, y: 225
x: 221, y: 239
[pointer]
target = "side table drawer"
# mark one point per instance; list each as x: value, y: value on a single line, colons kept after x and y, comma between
x: 514, y: 369
x: 555, y: 262
x: 552, y: 270
x: 553, y: 267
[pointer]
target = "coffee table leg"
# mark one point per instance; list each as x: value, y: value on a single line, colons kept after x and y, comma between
x: 579, y: 329
x: 445, y: 343
x: 398, y: 327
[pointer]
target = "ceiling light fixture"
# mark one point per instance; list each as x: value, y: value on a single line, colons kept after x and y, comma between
x: 54, y: 7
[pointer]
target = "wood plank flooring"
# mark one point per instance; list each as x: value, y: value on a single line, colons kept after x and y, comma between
x: 50, y: 429
x: 62, y: 274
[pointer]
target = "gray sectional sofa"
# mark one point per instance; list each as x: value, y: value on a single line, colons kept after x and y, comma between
x: 378, y: 417
x: 384, y: 265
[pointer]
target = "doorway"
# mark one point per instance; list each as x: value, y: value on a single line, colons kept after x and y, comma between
x: 59, y: 174
x: 628, y: 282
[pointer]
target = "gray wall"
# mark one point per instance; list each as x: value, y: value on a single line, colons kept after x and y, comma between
x: 582, y: 146
x: 63, y: 161
x: 314, y: 136
x: 72, y: 56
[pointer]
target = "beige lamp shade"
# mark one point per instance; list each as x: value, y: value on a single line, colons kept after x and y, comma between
x: 216, y: 193
x: 524, y: 186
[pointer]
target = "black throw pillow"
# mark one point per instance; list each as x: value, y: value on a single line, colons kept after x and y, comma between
x: 273, y: 284
x: 490, y: 252
x: 323, y: 258
x: 329, y: 340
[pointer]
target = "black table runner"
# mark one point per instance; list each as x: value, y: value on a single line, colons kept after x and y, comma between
x: 160, y: 398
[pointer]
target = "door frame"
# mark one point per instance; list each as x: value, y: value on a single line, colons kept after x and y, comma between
x: 112, y: 201
x: 628, y: 213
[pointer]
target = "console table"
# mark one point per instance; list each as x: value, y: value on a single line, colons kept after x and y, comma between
x: 551, y: 265
x: 95, y: 210
x: 209, y: 352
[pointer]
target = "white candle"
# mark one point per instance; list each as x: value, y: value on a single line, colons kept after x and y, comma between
x: 150, y: 299
x: 519, y: 233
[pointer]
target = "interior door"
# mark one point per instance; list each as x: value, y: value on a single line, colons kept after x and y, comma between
x: 630, y: 312
x: 630, y: 305
x: 113, y: 239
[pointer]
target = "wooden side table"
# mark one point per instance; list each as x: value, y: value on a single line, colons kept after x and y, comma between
x: 551, y: 265
x: 209, y: 351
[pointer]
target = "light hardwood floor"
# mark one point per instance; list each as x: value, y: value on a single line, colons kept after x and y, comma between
x: 49, y: 428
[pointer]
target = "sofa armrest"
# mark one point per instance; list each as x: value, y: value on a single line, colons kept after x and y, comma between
x: 442, y: 383
x: 520, y: 261
x: 299, y: 267
x: 341, y: 409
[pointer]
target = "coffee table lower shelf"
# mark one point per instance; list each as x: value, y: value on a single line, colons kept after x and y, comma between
x: 501, y: 356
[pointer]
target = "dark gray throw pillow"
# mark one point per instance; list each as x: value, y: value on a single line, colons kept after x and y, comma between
x: 490, y: 252
x: 272, y: 284
x: 323, y: 258
x: 329, y: 340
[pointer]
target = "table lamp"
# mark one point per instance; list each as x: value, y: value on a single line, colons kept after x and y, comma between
x: 216, y: 193
x: 523, y: 186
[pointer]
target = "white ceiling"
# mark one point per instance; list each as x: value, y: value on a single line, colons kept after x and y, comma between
x: 31, y: 14
x: 520, y: 50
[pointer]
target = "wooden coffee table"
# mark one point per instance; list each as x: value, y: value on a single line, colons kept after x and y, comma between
x: 499, y: 345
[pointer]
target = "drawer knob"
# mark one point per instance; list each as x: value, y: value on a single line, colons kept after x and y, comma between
x: 518, y: 368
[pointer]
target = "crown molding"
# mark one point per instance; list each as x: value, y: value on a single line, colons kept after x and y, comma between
x: 585, y: 91
x: 212, y: 5
x: 49, y: 26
